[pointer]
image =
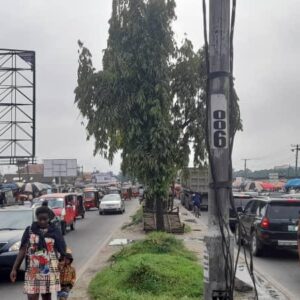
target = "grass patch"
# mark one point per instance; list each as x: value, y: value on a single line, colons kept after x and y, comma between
x: 159, y: 267
x: 136, y: 219
x: 156, y: 243
x: 187, y: 228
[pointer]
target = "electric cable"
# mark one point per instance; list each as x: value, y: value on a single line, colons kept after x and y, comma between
x: 230, y: 268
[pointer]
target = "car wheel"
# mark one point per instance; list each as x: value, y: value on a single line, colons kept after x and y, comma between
x: 63, y: 228
x: 100, y: 212
x: 72, y: 226
x: 256, y: 246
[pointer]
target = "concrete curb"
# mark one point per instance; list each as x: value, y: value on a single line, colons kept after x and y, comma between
x: 268, y: 287
x: 273, y: 282
x: 79, y: 292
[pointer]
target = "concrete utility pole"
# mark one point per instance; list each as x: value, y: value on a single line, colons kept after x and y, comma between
x: 245, y: 166
x: 296, y: 148
x: 219, y: 57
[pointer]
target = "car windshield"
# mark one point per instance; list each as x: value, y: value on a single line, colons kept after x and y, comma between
x: 15, y: 219
x: 284, y: 211
x: 113, y: 192
x: 111, y: 197
x: 89, y: 194
x: 54, y: 202
x: 241, y: 201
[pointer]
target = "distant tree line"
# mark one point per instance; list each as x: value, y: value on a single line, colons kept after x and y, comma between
x: 264, y: 174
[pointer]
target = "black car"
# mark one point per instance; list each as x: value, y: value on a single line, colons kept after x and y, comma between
x: 269, y: 223
x: 13, y: 222
x: 240, y: 202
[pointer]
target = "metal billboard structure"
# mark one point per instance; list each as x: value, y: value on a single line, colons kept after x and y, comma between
x: 17, y: 106
x: 60, y: 168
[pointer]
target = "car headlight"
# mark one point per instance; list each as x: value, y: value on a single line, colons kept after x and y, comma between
x: 15, y: 246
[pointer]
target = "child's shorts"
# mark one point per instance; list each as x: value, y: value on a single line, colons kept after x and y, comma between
x: 63, y: 294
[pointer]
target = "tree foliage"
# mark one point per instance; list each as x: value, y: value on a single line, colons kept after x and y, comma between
x: 148, y: 100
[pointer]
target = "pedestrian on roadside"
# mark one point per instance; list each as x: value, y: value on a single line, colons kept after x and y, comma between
x: 197, y: 202
x: 1, y: 199
x: 40, y: 245
x: 67, y: 276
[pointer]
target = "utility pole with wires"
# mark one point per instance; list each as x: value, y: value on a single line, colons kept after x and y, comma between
x: 245, y: 166
x: 218, y: 256
x: 296, y: 148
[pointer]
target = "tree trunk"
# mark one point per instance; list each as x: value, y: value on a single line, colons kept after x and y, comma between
x: 173, y: 195
x: 159, y: 215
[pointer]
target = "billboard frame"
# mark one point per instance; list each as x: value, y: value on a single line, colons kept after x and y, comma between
x: 17, y: 106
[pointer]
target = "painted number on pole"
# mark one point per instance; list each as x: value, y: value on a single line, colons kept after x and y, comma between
x: 219, y: 122
x: 206, y: 265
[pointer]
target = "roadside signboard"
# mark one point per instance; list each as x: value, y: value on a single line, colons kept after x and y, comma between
x: 273, y: 177
x: 60, y: 167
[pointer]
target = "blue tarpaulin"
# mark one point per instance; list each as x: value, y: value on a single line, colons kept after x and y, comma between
x: 9, y: 186
x: 293, y: 183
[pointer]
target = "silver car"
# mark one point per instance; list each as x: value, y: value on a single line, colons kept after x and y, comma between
x: 111, y: 203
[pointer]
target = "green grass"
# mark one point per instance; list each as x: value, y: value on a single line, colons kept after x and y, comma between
x: 136, y: 219
x: 157, y: 268
x: 187, y: 228
x: 156, y: 243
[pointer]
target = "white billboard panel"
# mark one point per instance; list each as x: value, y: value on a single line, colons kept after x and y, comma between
x: 60, y: 167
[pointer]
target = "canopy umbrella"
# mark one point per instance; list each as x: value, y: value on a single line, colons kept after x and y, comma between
x: 293, y: 184
x: 268, y: 186
x: 254, y: 186
x: 33, y: 187
x: 279, y: 185
x: 238, y: 182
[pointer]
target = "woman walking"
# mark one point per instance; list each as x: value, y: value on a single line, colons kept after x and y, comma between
x: 41, y: 243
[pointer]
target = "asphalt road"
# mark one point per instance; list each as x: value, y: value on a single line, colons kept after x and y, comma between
x: 281, y: 266
x: 90, y: 233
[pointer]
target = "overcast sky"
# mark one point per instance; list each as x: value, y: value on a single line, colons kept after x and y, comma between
x: 266, y: 68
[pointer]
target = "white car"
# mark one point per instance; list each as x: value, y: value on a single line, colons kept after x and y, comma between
x: 111, y: 203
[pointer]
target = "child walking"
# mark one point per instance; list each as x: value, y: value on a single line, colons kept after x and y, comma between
x: 67, y: 277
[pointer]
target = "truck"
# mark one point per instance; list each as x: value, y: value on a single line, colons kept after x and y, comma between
x: 194, y: 180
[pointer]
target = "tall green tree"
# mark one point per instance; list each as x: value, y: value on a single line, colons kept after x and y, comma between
x: 148, y: 99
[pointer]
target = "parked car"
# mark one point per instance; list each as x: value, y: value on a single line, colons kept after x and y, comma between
x: 240, y: 202
x: 269, y: 223
x: 64, y: 207
x: 13, y: 222
x: 112, y: 203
